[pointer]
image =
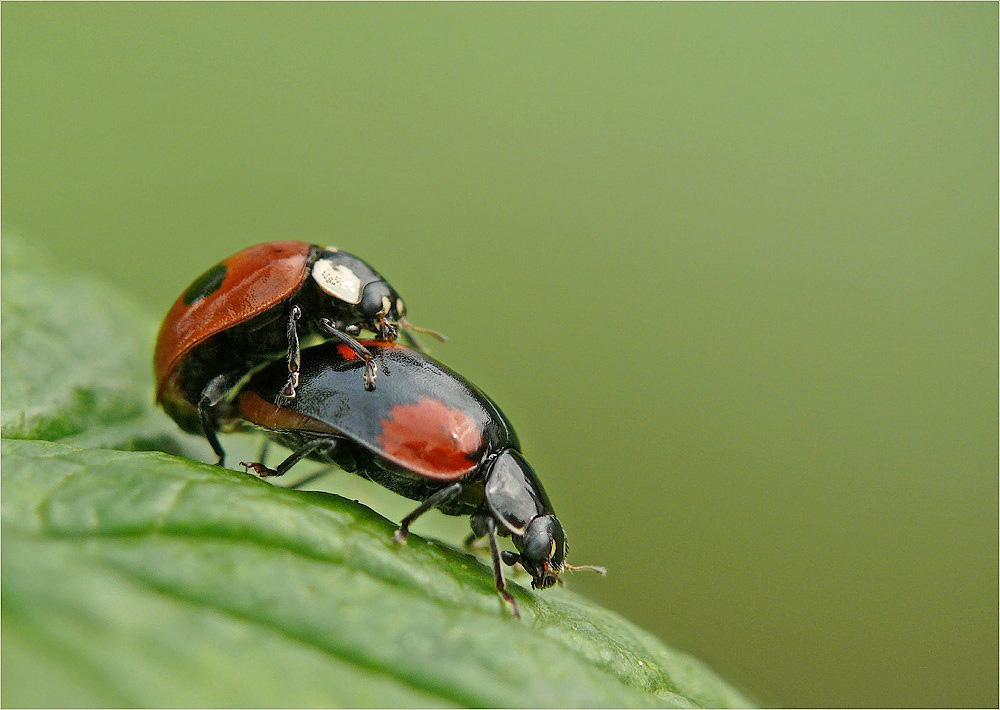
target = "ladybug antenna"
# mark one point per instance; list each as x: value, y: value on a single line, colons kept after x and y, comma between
x: 585, y: 568
x: 433, y: 333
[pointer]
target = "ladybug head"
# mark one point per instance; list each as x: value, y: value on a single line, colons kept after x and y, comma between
x: 542, y: 551
x: 356, y: 296
x: 381, y: 309
x: 518, y: 504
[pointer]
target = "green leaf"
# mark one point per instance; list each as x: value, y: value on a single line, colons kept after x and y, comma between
x: 76, y: 358
x: 142, y: 579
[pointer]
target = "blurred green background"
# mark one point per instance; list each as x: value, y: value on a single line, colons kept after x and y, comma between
x: 731, y: 270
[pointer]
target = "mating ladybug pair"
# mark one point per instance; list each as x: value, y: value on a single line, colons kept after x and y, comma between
x: 228, y: 358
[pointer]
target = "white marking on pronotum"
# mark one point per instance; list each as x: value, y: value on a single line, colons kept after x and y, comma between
x: 400, y: 308
x: 338, y: 281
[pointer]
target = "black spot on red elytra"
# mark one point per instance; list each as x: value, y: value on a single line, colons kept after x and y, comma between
x: 206, y: 284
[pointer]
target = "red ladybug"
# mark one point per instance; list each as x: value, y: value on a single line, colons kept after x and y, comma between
x: 253, y: 308
x: 426, y: 433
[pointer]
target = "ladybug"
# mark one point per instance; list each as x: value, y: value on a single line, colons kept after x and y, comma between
x: 253, y: 308
x: 426, y: 433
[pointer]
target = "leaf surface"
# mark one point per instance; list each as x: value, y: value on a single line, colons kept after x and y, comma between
x: 76, y: 357
x: 151, y: 580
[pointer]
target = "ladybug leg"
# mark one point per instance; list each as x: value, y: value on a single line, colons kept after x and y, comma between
x: 498, y: 570
x: 294, y: 360
x: 438, y: 498
x: 297, y: 455
x: 314, y: 476
x: 214, y: 392
x: 335, y: 452
x: 371, y: 369
x: 477, y: 538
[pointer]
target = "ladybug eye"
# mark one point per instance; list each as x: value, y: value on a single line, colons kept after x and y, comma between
x: 375, y: 302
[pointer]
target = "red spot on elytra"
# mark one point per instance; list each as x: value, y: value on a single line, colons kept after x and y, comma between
x: 346, y: 353
x: 372, y: 346
x: 431, y: 439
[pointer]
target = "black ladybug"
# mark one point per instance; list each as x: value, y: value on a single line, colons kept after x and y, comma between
x: 425, y: 433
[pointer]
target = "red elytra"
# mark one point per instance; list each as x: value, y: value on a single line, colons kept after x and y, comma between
x: 256, y: 279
